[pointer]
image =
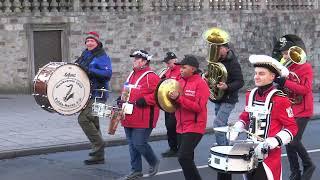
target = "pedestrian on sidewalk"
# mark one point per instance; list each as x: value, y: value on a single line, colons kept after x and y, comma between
x: 141, y: 113
x: 299, y: 90
x: 97, y: 64
x: 171, y: 72
x: 191, y: 114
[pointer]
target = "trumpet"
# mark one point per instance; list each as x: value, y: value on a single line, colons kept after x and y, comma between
x: 296, y: 56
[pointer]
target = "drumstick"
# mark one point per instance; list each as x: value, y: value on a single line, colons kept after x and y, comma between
x: 256, y: 136
x: 246, y: 131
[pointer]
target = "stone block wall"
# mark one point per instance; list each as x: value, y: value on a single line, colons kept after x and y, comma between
x: 157, y: 32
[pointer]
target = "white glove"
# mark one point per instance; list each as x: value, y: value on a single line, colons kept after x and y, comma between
x: 235, y: 130
x: 261, y: 150
x: 232, y: 135
x: 238, y: 127
x: 272, y: 142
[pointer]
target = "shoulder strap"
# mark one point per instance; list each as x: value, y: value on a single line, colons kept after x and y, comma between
x: 145, y: 73
x: 128, y: 78
x: 269, y: 96
x: 251, y: 95
x: 137, y: 82
x: 163, y: 72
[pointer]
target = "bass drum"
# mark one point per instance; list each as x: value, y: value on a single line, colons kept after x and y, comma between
x: 61, y: 87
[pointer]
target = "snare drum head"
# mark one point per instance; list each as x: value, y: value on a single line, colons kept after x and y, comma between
x: 68, y: 89
x: 221, y: 149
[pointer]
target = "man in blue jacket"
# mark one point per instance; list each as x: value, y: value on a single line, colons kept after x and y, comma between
x: 97, y: 65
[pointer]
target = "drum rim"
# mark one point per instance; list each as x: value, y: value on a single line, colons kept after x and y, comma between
x: 232, y: 172
x: 243, y: 156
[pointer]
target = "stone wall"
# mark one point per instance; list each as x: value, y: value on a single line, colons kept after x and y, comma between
x: 156, y: 31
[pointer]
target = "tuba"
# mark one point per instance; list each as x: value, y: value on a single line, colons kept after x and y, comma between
x: 217, y: 72
x: 296, y: 56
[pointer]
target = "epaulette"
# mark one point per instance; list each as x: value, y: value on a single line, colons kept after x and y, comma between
x: 281, y: 94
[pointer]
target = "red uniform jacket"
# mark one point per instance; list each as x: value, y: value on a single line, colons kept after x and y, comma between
x: 304, y: 88
x: 145, y: 117
x: 281, y: 118
x: 191, y: 113
x: 172, y: 73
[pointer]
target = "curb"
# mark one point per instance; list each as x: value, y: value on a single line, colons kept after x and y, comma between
x: 74, y: 146
x: 84, y: 145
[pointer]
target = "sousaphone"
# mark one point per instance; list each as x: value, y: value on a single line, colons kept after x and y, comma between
x: 162, y: 94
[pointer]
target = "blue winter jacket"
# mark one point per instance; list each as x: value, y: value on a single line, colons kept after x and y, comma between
x: 97, y: 65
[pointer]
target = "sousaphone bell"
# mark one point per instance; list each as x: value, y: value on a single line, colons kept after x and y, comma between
x: 162, y: 94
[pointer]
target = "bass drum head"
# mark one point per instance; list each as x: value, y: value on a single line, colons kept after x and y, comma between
x: 68, y: 89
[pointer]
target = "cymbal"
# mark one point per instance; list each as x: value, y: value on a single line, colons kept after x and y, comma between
x: 162, y: 97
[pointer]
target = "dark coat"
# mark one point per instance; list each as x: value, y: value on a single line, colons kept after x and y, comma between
x: 234, y: 80
x: 97, y: 65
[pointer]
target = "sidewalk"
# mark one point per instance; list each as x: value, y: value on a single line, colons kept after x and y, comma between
x: 26, y: 129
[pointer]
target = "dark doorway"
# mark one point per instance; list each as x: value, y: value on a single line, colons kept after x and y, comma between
x: 47, y: 48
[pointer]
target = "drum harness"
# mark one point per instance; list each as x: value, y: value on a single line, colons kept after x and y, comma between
x: 259, y: 113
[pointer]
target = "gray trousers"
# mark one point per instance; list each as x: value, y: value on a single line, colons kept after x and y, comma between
x: 90, y: 126
x: 222, y: 111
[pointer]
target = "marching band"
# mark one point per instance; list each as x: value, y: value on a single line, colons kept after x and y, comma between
x: 276, y: 113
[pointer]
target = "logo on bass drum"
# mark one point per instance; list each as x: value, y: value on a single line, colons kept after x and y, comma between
x: 68, y: 94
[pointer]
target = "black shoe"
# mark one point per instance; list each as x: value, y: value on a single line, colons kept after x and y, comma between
x: 296, y: 175
x: 307, y: 172
x: 169, y: 153
x: 96, y: 153
x: 94, y: 160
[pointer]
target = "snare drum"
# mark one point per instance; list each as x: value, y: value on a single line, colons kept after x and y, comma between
x: 230, y: 159
x: 62, y: 88
x: 101, y: 110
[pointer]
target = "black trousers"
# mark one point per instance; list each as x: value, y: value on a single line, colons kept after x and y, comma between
x: 224, y: 176
x: 295, y: 148
x: 187, y: 142
x: 171, y: 122
x: 258, y: 174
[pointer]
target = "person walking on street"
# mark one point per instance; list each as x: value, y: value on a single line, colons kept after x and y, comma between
x: 97, y: 64
x: 299, y: 90
x: 269, y: 116
x: 171, y: 72
x: 226, y: 104
x: 141, y: 113
x: 191, y: 114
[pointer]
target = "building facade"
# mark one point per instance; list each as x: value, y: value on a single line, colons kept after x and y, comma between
x: 33, y: 33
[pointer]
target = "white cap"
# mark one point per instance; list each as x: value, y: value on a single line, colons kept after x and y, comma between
x: 270, y: 63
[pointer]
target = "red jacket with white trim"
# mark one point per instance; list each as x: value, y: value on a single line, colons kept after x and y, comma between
x: 143, y: 117
x: 281, y: 117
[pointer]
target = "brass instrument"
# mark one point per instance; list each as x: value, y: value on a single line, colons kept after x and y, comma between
x: 296, y: 56
x: 217, y: 72
x: 162, y: 94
